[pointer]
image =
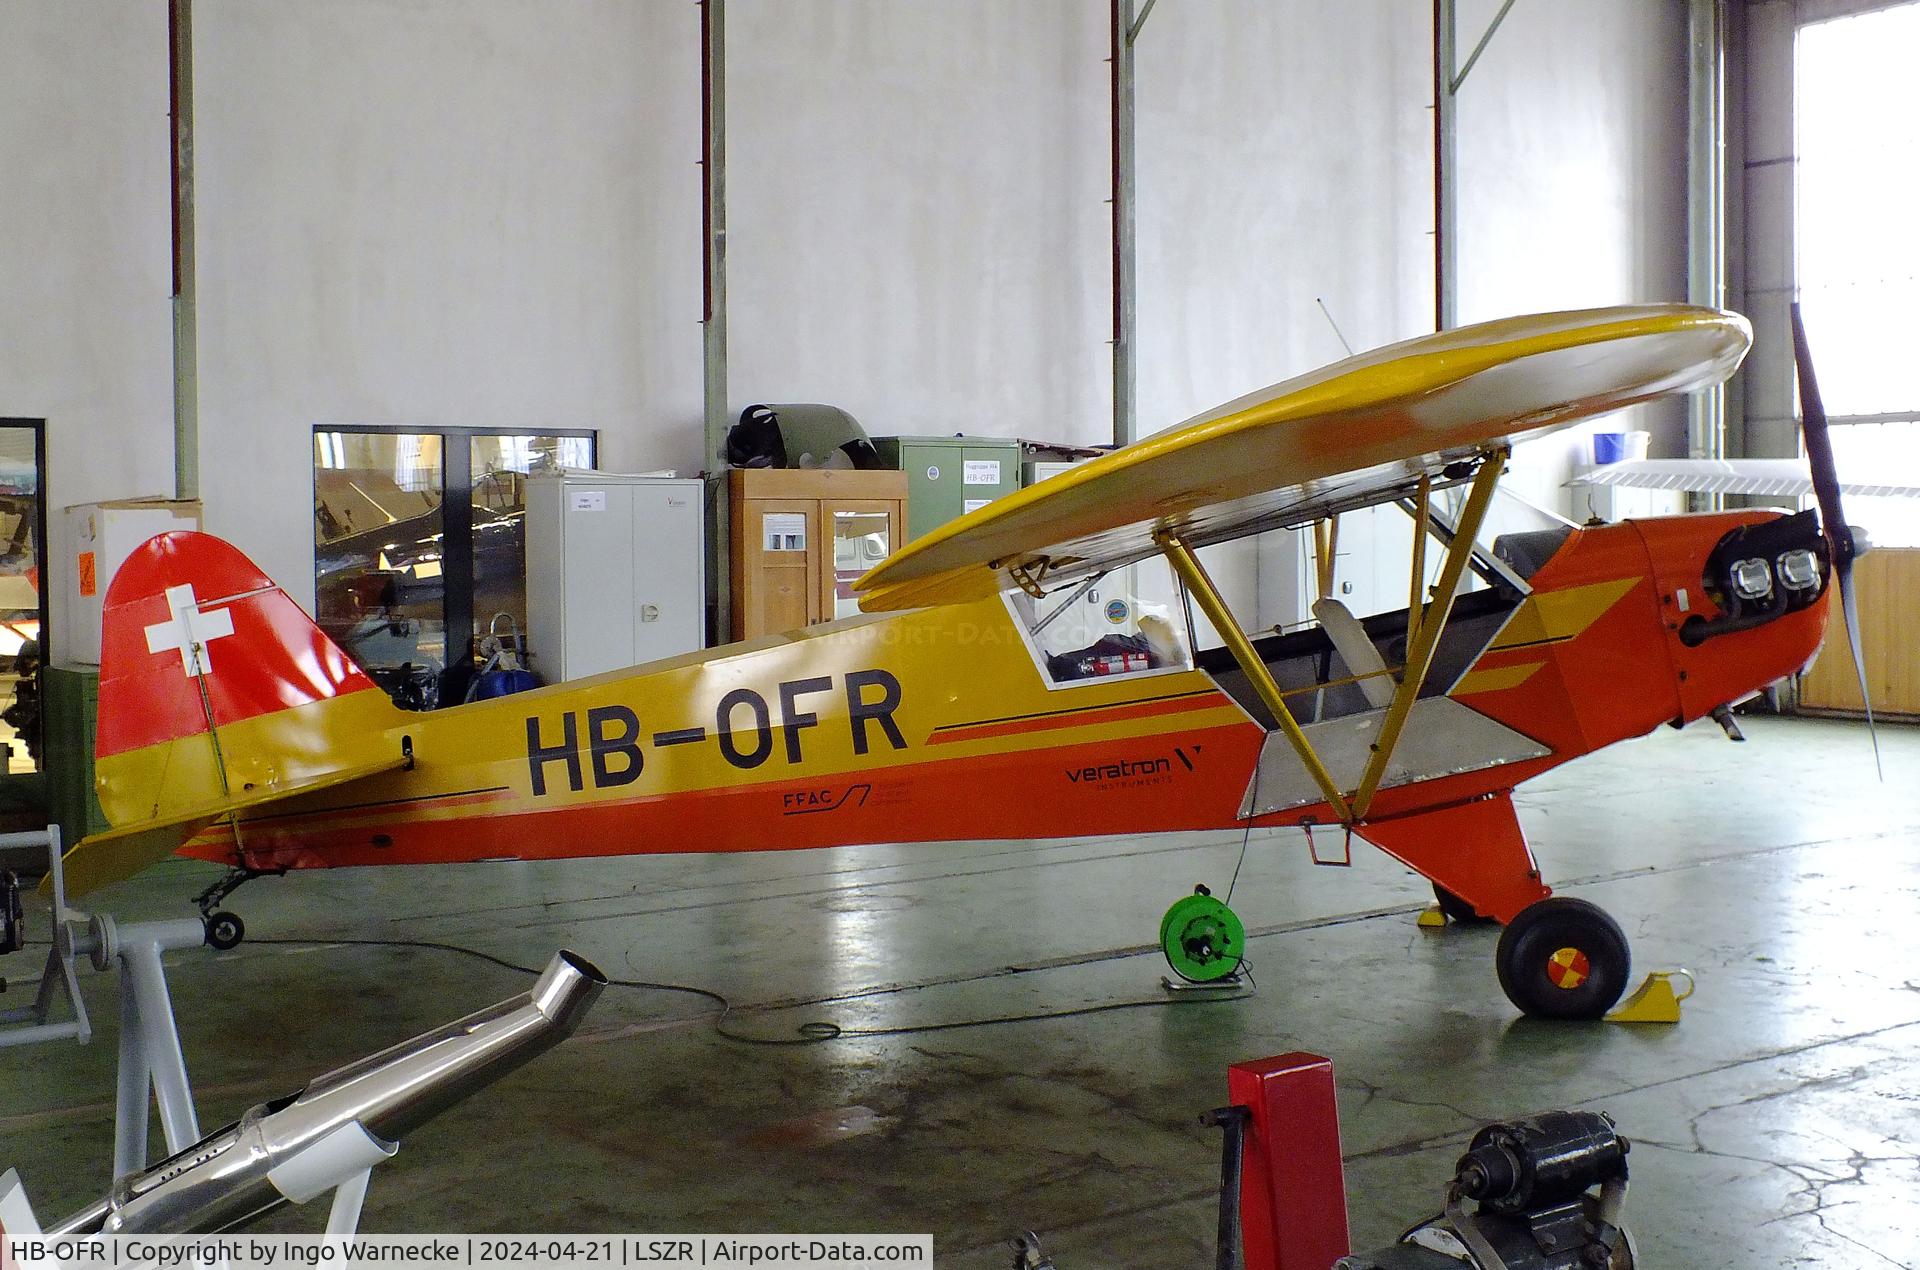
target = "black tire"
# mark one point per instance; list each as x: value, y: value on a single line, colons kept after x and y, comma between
x: 1458, y: 910
x: 1563, y: 958
x: 225, y: 930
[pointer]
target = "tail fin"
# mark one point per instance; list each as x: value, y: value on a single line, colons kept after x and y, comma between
x: 218, y: 693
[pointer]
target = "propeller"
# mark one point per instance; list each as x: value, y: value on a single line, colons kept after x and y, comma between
x: 1843, y: 543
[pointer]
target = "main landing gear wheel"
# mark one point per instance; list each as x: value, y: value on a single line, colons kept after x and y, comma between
x: 225, y: 930
x: 1563, y: 958
x: 1458, y: 911
x: 1202, y: 938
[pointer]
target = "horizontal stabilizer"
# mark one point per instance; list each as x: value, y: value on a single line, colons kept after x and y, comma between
x: 1764, y: 478
x: 118, y: 853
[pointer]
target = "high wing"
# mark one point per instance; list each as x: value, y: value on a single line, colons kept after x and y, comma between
x: 1767, y: 478
x: 1359, y: 432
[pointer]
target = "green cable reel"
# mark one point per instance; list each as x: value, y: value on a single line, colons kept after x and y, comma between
x: 1202, y: 938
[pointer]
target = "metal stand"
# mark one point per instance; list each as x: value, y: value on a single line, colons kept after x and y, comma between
x: 1225, y: 985
x: 59, y: 972
x: 150, y: 1054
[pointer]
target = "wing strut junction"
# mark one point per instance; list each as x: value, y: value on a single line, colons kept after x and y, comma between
x: 1425, y: 640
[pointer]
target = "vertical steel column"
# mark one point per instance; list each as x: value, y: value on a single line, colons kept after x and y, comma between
x: 713, y: 316
x: 1446, y: 187
x: 1125, y: 375
x: 186, y: 339
x: 1445, y: 198
x: 1706, y: 208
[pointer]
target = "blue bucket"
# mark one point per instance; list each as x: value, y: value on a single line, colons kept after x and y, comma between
x: 1609, y: 447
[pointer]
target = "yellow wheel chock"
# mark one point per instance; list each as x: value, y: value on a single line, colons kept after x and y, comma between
x: 1655, y: 1001
x: 1431, y: 918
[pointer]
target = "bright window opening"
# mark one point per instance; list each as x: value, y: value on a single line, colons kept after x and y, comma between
x: 1858, y: 179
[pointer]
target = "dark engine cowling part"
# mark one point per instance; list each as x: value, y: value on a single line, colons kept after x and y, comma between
x: 1539, y: 1163
x: 1534, y: 1182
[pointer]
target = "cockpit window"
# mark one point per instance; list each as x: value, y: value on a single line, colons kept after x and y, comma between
x: 1099, y: 629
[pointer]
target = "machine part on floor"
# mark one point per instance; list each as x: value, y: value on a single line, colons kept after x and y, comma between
x: 1232, y: 1123
x: 1550, y: 1192
x: 1655, y: 1000
x: 1202, y: 938
x: 336, y: 1129
x: 1280, y: 1169
x: 1563, y: 958
x: 1027, y: 1253
x: 13, y: 918
x: 1293, y: 1189
x: 1723, y: 715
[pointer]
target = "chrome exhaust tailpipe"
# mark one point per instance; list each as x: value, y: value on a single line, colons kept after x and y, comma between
x: 294, y: 1149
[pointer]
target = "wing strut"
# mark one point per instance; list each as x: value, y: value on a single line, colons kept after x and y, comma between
x: 1432, y: 623
x: 1201, y: 588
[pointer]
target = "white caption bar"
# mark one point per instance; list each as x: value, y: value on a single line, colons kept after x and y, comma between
x: 523, y: 1252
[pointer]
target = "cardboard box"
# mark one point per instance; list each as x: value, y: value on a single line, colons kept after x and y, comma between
x: 102, y: 536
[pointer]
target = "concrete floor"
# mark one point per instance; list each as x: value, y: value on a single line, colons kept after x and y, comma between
x: 1776, y: 1126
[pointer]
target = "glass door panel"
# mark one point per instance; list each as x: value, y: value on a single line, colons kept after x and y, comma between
x: 379, y: 579
x: 21, y: 515
x: 861, y: 535
x: 500, y: 465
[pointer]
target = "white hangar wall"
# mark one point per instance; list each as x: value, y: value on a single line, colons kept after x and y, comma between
x: 1573, y: 183
x: 440, y: 212
x: 86, y: 326
x: 486, y: 212
x: 1286, y: 158
x: 917, y: 218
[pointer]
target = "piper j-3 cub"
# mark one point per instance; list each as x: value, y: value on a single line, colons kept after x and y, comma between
x: 233, y: 730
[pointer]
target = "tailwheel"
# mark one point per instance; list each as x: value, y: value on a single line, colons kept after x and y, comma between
x: 1202, y: 938
x: 1563, y: 958
x: 1459, y: 911
x: 225, y: 930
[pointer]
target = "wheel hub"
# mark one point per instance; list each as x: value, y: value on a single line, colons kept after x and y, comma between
x: 1568, y: 968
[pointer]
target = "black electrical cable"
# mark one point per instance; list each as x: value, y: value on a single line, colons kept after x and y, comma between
x: 813, y: 1033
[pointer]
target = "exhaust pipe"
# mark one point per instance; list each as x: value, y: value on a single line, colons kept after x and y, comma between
x: 294, y: 1149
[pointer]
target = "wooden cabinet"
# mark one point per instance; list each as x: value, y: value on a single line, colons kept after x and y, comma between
x: 801, y: 537
x: 1887, y: 581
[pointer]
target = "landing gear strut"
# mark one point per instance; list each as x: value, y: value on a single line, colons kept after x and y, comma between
x: 225, y: 930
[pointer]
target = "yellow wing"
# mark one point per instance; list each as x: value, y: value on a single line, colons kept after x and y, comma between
x: 1352, y: 434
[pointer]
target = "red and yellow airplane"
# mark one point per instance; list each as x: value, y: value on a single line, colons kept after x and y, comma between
x: 233, y: 730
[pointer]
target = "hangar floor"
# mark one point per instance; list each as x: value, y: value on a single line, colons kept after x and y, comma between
x: 1777, y: 1125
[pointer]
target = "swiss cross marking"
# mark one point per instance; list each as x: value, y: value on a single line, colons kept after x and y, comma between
x: 189, y: 631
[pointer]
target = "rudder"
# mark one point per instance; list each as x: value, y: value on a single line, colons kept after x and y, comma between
x: 215, y: 685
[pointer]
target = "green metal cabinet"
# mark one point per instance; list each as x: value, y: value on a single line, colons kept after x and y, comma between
x: 948, y: 477
x: 70, y: 701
